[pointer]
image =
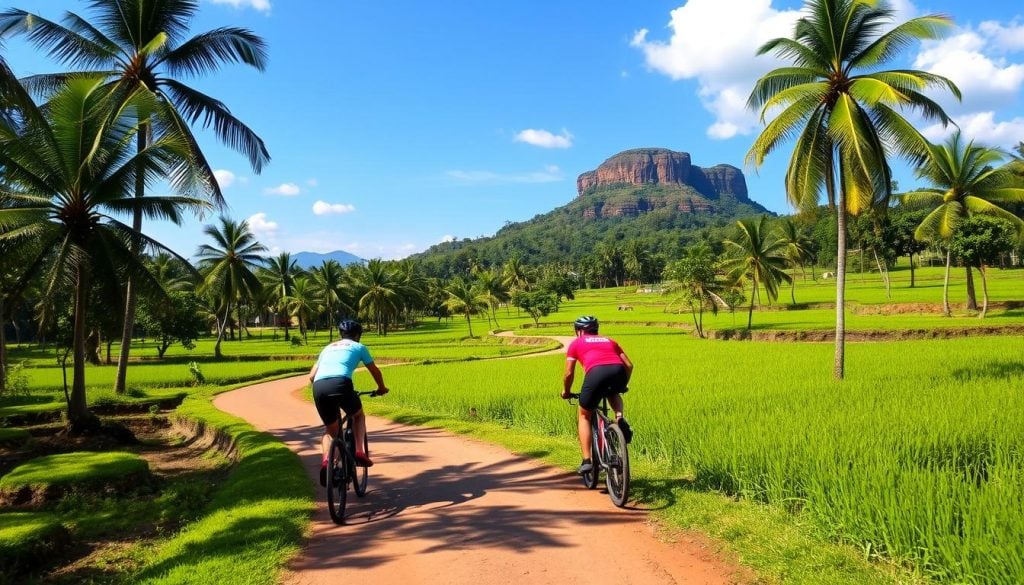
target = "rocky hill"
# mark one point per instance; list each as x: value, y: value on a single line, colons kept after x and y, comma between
x: 699, y: 190
x: 653, y: 194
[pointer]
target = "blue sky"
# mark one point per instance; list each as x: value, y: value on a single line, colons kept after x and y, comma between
x: 393, y: 125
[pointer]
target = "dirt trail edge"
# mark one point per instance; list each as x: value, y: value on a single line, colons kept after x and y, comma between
x: 446, y: 509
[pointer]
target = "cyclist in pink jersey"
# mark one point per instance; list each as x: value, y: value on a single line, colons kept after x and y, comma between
x: 607, y: 371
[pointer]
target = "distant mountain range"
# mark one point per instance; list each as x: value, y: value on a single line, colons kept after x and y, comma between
x: 309, y: 260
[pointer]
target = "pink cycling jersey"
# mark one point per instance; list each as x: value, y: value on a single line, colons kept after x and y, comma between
x: 594, y: 350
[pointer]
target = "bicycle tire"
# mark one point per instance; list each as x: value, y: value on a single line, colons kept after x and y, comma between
x: 360, y: 474
x: 617, y: 473
x: 592, y: 477
x: 337, y: 481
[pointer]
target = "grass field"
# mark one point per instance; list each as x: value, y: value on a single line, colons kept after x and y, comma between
x: 915, y: 460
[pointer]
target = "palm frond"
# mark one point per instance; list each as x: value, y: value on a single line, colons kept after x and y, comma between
x: 206, y: 52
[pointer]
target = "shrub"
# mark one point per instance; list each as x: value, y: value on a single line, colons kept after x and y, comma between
x: 198, y: 379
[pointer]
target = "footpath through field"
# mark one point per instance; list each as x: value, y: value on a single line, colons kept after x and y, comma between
x: 446, y: 509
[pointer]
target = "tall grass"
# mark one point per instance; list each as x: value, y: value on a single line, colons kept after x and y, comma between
x: 917, y: 457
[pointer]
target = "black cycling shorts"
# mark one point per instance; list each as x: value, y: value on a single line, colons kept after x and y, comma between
x: 602, y: 382
x: 330, y: 394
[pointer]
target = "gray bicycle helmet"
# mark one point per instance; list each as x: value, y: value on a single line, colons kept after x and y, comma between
x: 350, y: 328
x: 587, y: 323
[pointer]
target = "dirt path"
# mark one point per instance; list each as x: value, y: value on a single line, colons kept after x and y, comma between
x: 446, y: 509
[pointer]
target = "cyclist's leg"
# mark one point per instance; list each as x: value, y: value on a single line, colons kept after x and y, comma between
x: 327, y: 407
x: 583, y: 428
x: 353, y: 407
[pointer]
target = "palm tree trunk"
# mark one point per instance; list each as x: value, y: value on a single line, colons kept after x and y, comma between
x: 3, y: 348
x: 911, y: 271
x: 984, y: 292
x: 221, y: 326
x: 884, y: 273
x: 972, y: 297
x: 792, y: 290
x: 132, y: 295
x: 750, y: 312
x: 839, y: 365
x: 470, y: 323
x: 945, y: 286
x: 78, y: 412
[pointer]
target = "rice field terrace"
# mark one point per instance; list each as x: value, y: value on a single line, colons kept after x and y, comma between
x: 916, y: 460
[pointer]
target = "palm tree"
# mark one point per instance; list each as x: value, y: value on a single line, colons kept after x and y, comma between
x: 799, y: 247
x: 493, y: 289
x: 516, y: 274
x: 758, y: 254
x: 67, y: 167
x: 966, y: 182
x: 378, y: 292
x: 329, y: 282
x: 842, y: 111
x: 279, y: 276
x: 636, y: 257
x: 466, y: 299
x: 139, y: 44
x: 227, y: 268
x: 302, y: 303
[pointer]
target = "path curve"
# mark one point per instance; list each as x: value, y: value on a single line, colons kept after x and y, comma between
x: 443, y: 508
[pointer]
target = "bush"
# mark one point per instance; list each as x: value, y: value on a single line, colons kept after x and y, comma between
x: 198, y: 379
x: 17, y: 380
x: 296, y: 341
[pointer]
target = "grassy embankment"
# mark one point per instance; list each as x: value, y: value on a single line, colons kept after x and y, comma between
x: 239, y: 530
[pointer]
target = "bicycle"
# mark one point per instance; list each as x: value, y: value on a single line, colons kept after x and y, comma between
x: 608, y: 451
x: 342, y: 469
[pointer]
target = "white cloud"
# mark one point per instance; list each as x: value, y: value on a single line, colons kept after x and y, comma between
x: 550, y: 174
x: 969, y: 60
x: 544, y: 138
x: 225, y: 178
x: 446, y: 238
x: 261, y: 226
x: 720, y: 58
x: 1007, y: 38
x: 324, y: 208
x: 284, y: 189
x: 981, y: 127
x: 261, y: 5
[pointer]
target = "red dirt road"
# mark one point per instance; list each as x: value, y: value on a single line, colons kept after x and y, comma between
x: 446, y: 509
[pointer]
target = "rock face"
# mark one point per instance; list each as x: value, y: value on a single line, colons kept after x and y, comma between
x: 664, y: 167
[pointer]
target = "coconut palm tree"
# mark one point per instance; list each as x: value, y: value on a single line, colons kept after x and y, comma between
x: 493, y: 289
x: 799, y: 247
x: 966, y: 182
x: 278, y: 275
x: 329, y: 282
x: 227, y: 267
x: 67, y: 167
x: 516, y: 274
x: 137, y: 44
x: 842, y: 110
x: 758, y: 254
x: 465, y: 298
x: 377, y: 288
x: 302, y: 303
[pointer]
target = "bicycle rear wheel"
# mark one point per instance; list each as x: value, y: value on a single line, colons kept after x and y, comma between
x: 361, y: 474
x: 337, y: 481
x: 617, y: 475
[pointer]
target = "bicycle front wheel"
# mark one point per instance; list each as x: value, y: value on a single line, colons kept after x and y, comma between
x: 337, y: 481
x: 617, y: 476
x: 361, y: 474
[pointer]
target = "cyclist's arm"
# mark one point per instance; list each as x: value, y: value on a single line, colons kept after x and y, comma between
x: 568, y: 377
x: 312, y: 372
x: 628, y: 364
x: 377, y: 377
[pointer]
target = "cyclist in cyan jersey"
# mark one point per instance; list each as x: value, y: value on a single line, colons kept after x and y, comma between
x: 332, y: 389
x: 607, y: 371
